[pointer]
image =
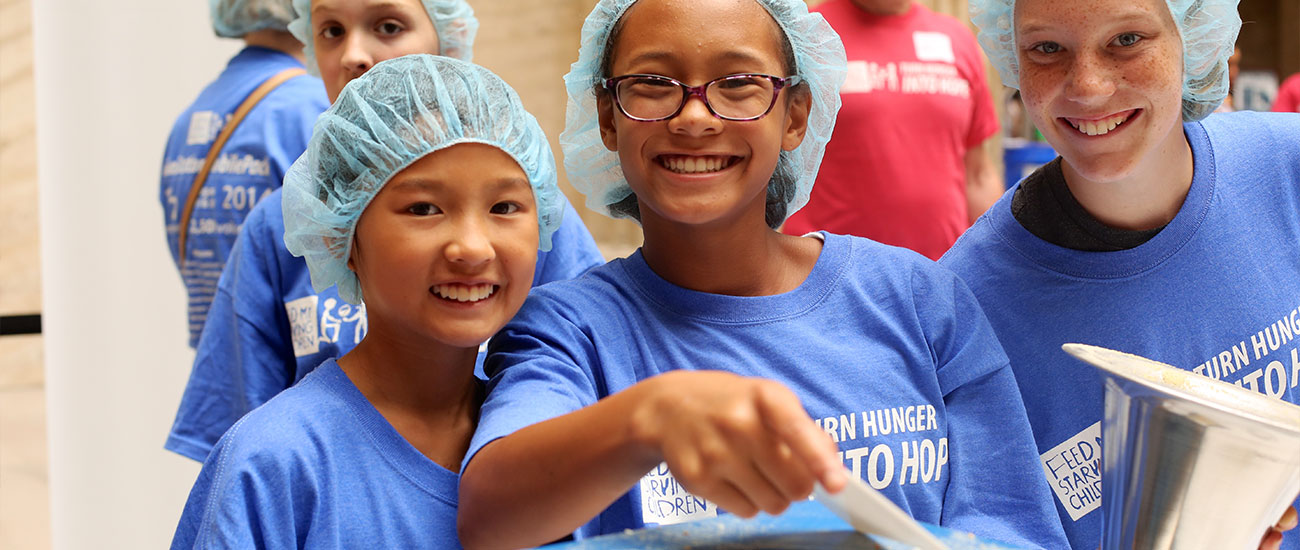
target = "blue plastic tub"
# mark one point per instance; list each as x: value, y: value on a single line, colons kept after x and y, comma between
x: 1022, y: 160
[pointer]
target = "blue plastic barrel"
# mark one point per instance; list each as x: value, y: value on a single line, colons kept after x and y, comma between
x: 1020, y: 161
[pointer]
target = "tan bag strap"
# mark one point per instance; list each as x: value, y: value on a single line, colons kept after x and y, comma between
x: 251, y: 101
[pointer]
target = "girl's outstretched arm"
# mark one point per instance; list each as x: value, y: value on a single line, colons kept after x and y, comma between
x: 745, y: 444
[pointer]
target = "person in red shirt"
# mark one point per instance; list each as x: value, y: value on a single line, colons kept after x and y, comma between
x: 910, y: 161
x: 1288, y: 96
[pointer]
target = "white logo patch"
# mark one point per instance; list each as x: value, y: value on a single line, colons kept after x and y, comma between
x: 933, y: 46
x: 1073, y: 469
x: 302, y: 322
x: 865, y: 77
x: 204, y: 127
x: 665, y: 502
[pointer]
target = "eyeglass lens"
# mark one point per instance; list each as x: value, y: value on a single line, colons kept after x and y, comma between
x: 738, y: 97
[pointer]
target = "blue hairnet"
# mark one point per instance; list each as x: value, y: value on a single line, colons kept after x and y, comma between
x: 236, y: 18
x: 453, y: 20
x: 819, y: 59
x: 1208, y: 29
x: 398, y: 112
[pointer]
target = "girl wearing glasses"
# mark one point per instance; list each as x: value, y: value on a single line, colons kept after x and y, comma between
x: 725, y: 365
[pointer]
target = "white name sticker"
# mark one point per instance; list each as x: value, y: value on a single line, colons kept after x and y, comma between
x: 303, y: 326
x: 933, y: 46
x: 665, y: 502
x: 1073, y: 469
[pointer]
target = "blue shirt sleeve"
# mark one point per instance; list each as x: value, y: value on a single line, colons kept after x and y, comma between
x: 247, y: 496
x: 241, y: 361
x: 996, y: 489
x: 539, y: 367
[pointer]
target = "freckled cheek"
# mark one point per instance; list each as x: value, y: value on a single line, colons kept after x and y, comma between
x: 1152, y: 74
x: 1173, y: 73
x: 1160, y: 78
x: 1038, y: 86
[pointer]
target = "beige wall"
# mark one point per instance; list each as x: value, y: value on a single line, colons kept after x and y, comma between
x: 24, y: 500
x: 20, y: 283
x: 1270, y: 36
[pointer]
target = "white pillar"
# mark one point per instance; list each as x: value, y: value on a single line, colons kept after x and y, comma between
x: 110, y: 78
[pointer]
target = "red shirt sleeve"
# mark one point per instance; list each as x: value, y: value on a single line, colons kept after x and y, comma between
x: 984, y: 118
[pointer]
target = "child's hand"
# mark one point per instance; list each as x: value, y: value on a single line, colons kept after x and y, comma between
x: 1273, y: 538
x: 745, y: 444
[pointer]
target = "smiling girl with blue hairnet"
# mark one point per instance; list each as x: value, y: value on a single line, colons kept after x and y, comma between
x: 269, y: 327
x: 699, y: 362
x: 427, y: 190
x: 1161, y: 230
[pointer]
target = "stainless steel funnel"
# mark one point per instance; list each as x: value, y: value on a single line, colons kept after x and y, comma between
x: 1189, y: 462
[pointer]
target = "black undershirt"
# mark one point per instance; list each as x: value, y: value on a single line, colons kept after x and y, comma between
x: 1044, y: 205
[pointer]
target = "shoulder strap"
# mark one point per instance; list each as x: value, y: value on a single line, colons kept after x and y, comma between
x: 215, y: 151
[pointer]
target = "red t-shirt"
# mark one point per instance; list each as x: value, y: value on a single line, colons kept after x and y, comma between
x: 1288, y: 96
x: 915, y: 101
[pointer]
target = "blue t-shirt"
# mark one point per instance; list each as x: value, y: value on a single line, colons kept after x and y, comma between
x: 268, y: 328
x: 889, y: 353
x: 253, y: 162
x: 1216, y: 292
x: 319, y: 467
